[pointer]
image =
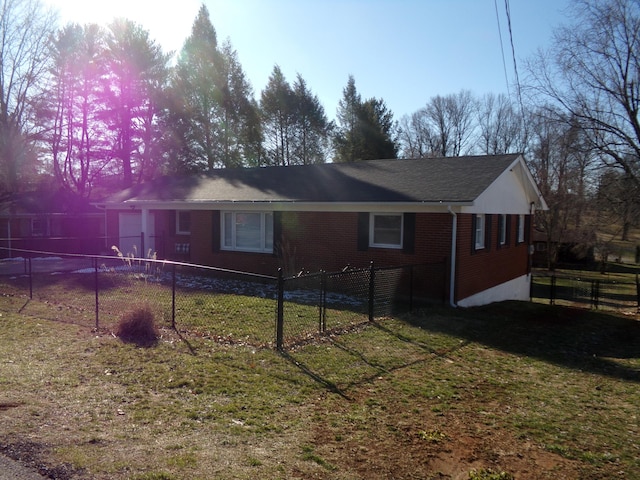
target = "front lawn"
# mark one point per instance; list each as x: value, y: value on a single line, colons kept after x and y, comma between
x: 519, y: 389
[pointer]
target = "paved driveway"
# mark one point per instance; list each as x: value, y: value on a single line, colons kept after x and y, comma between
x: 12, y: 470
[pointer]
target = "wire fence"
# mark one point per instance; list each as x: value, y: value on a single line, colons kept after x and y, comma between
x: 228, y: 306
x: 328, y: 302
x: 585, y: 291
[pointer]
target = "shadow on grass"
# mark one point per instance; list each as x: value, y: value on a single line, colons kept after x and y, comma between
x: 330, y: 386
x: 578, y: 339
x: 376, y: 366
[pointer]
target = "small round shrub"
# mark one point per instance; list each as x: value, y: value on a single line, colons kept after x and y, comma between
x: 138, y: 326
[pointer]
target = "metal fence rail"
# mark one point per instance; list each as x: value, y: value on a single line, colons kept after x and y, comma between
x: 595, y: 293
x: 336, y: 301
x: 227, y: 305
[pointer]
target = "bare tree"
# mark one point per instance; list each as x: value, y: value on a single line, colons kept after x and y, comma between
x: 501, y: 126
x: 593, y: 74
x: 443, y: 128
x: 619, y: 200
x: 78, y: 141
x: 562, y: 167
x: 25, y: 29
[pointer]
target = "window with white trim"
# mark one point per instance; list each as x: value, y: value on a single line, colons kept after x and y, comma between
x: 385, y: 230
x: 183, y: 222
x: 247, y: 231
x: 520, y: 228
x: 479, y: 233
x: 502, y: 234
x: 39, y: 227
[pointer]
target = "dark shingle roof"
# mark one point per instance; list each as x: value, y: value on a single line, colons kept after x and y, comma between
x: 454, y: 180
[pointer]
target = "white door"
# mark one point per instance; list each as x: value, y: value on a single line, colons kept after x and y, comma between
x: 130, y: 227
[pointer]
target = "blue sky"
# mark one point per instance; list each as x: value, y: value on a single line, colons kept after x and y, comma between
x: 403, y: 51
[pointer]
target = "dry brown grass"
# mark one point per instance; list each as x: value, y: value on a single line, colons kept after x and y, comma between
x: 138, y: 326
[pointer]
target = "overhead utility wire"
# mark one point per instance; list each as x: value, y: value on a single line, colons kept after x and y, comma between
x: 513, y: 54
x: 504, y: 63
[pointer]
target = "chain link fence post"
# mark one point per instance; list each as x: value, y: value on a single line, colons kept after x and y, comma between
x: 323, y: 302
x: 95, y: 268
x: 372, y: 291
x: 30, y: 280
x: 173, y: 296
x: 280, y: 314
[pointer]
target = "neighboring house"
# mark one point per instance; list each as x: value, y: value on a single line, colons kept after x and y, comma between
x: 472, y: 212
x: 50, y: 221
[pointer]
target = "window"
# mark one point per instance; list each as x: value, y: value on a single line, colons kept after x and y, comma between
x: 39, y: 227
x: 183, y: 222
x: 521, y: 228
x: 247, y: 231
x: 479, y: 232
x: 385, y: 230
x: 502, y: 226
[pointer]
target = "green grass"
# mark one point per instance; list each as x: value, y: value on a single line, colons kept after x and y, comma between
x: 386, y: 398
x: 616, y: 288
x: 237, y: 318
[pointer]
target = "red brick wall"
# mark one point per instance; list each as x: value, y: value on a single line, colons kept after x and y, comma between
x: 322, y: 240
x: 488, y: 267
x: 328, y: 240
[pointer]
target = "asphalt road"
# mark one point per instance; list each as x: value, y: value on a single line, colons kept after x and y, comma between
x: 12, y: 470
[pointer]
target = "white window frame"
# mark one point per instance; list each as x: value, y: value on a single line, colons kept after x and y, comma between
x: 266, y: 228
x: 503, y: 229
x: 42, y: 230
x: 178, y: 230
x: 479, y: 234
x: 521, y: 228
x: 372, y: 223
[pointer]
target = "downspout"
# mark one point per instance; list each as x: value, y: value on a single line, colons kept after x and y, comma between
x: 452, y: 276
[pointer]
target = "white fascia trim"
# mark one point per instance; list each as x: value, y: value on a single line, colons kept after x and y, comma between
x: 417, y: 207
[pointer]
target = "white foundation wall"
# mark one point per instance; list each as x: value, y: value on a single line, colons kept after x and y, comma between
x: 516, y: 289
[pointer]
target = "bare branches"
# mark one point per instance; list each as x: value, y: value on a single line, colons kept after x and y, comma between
x: 593, y: 74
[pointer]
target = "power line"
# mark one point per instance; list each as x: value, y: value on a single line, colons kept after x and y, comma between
x: 513, y: 54
x: 504, y: 63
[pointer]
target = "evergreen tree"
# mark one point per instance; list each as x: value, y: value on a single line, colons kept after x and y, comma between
x: 137, y: 69
x: 377, y: 131
x: 347, y: 140
x: 277, y: 109
x: 366, y: 130
x: 240, y: 129
x: 78, y: 138
x: 196, y: 103
x: 310, y: 125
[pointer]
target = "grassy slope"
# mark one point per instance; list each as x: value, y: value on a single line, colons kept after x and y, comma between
x: 404, y: 396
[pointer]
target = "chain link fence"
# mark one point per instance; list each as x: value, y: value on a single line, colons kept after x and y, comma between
x: 584, y: 291
x: 226, y: 305
x: 325, y: 302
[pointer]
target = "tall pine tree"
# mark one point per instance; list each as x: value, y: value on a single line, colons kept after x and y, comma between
x: 196, y: 112
x: 311, y: 128
x: 366, y: 130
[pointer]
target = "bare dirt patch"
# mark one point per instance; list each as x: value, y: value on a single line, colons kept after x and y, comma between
x: 388, y: 441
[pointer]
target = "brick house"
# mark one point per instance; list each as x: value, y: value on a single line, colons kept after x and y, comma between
x: 474, y: 213
x: 50, y: 220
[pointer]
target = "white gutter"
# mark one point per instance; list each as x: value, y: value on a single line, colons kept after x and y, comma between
x: 283, y: 205
x: 452, y: 275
